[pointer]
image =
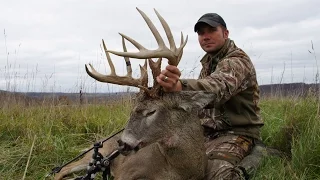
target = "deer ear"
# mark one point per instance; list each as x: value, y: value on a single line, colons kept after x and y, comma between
x: 195, y: 100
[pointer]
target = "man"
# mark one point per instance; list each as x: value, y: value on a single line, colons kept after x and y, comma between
x: 233, y: 124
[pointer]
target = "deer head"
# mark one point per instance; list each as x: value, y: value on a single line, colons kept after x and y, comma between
x: 166, y: 119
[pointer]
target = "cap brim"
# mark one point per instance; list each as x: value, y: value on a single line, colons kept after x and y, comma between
x: 209, y: 22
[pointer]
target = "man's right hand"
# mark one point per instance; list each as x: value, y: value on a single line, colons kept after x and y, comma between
x: 169, y: 79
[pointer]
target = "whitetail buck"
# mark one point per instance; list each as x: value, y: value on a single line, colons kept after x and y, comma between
x: 164, y: 138
x: 163, y: 126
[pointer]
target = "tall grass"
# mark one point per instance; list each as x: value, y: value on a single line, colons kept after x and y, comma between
x: 291, y: 125
x: 60, y: 132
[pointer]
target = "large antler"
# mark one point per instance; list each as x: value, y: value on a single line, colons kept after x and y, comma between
x: 113, y: 78
x: 173, y: 54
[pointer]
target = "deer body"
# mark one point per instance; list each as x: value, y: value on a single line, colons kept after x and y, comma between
x: 147, y: 163
x: 169, y: 136
x: 170, y: 139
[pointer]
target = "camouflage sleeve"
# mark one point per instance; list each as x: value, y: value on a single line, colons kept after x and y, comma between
x: 230, y: 74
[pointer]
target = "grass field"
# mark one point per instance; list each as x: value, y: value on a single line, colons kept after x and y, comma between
x: 36, y: 138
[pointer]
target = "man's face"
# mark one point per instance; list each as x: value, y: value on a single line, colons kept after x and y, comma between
x: 212, y: 39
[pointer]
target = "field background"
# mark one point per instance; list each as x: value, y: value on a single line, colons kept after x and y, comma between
x: 41, y: 131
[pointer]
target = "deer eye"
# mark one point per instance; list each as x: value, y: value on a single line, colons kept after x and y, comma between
x: 149, y: 113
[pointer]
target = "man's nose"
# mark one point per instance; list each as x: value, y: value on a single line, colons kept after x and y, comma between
x: 206, y: 36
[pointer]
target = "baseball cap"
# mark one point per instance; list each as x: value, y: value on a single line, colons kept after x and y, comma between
x: 212, y: 19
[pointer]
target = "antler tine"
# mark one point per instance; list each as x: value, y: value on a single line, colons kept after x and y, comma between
x: 167, y: 31
x: 153, y: 29
x: 143, y: 69
x: 135, y: 43
x: 113, y: 71
x: 144, y: 76
x: 155, y: 67
x: 128, y: 63
x: 173, y: 54
x: 112, y: 78
x: 182, y: 44
x: 179, y: 51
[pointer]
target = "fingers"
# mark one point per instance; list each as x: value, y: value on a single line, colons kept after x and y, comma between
x: 167, y: 85
x: 170, y: 75
x: 169, y: 78
x: 174, y: 70
x: 171, y: 72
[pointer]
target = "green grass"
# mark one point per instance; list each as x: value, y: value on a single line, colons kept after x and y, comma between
x: 293, y: 126
x: 61, y: 132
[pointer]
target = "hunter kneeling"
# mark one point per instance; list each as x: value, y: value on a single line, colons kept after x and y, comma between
x: 232, y: 125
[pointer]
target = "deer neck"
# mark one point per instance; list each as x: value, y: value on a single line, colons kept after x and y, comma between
x: 184, y: 146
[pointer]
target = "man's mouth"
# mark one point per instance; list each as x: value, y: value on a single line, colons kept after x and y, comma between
x: 208, y: 44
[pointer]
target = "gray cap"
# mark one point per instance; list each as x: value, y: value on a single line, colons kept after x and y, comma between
x: 212, y: 19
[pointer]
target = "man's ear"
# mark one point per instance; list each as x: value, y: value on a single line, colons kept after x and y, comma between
x: 226, y: 33
x: 195, y: 100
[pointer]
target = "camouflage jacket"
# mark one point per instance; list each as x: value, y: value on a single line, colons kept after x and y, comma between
x: 231, y: 75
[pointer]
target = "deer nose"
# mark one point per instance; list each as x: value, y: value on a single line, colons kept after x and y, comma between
x: 127, y: 147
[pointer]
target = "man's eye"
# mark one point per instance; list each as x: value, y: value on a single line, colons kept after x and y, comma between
x: 200, y: 32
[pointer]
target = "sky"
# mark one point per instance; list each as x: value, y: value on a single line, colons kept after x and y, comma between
x: 44, y: 45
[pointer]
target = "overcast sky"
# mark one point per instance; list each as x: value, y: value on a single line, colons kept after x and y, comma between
x: 44, y: 45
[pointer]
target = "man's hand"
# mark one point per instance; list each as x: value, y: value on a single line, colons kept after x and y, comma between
x: 169, y: 79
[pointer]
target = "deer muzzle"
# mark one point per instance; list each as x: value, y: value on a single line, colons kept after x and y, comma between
x: 129, y: 144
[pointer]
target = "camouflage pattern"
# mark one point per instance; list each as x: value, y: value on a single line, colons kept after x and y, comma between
x: 232, y: 121
x: 224, y: 153
x: 229, y: 74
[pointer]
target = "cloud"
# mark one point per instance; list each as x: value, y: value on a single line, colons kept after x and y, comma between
x: 45, y: 44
